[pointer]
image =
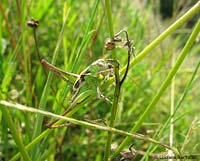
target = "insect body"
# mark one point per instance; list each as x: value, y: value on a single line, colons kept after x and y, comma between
x: 99, y: 69
x: 88, y: 82
x: 92, y: 77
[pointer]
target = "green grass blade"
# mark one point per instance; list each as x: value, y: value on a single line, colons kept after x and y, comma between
x: 109, y: 16
x: 85, y: 37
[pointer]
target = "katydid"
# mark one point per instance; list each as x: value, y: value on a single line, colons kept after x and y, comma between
x: 89, y: 81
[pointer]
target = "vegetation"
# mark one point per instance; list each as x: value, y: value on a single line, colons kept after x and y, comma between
x: 154, y: 111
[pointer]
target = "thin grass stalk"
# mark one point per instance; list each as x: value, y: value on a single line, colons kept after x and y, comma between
x: 117, y: 85
x: 27, y: 69
x: 171, y: 132
x: 84, y: 123
x: 113, y: 114
x: 189, y: 133
x: 163, y: 87
x: 109, y: 16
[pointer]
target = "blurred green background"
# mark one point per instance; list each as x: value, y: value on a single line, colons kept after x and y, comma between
x: 22, y: 78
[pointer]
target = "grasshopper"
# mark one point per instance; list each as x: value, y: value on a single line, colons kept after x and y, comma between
x: 89, y: 81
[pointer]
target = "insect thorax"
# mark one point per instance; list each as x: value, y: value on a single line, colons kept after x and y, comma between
x: 99, y: 70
